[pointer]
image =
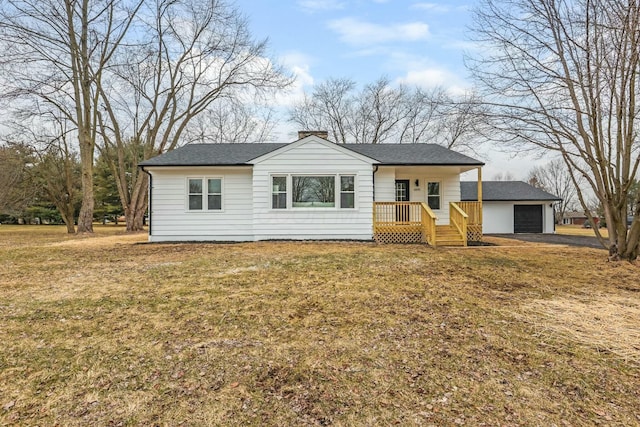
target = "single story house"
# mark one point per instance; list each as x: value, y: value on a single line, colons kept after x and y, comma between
x: 578, y: 218
x: 512, y: 207
x: 311, y: 189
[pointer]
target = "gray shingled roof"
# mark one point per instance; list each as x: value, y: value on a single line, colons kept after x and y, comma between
x: 211, y: 155
x: 241, y: 154
x: 506, y: 191
x: 413, y: 154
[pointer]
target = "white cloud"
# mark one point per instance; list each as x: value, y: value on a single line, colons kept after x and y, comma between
x: 320, y: 5
x: 434, y: 7
x: 356, y: 32
x: 299, y: 65
x: 430, y: 77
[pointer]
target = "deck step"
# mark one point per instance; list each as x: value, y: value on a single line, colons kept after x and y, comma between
x: 449, y: 242
x: 447, y: 235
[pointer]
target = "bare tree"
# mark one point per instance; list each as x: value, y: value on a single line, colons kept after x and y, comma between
x: 233, y: 121
x: 384, y: 113
x: 460, y: 121
x: 378, y: 111
x: 15, y: 191
x: 55, y: 52
x: 198, y: 54
x: 504, y: 176
x: 554, y: 177
x: 562, y: 75
x: 423, y: 114
x: 328, y: 107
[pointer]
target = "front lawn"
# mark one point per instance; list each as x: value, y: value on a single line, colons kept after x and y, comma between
x: 109, y: 330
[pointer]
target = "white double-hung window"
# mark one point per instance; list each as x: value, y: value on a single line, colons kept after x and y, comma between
x: 279, y: 192
x: 204, y: 194
x: 347, y: 191
x: 433, y: 195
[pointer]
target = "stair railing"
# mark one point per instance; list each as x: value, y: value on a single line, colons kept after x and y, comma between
x: 428, y: 224
x: 459, y: 219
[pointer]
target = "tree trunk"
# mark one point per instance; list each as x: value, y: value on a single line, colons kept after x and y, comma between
x: 71, y: 229
x: 66, y: 212
x: 85, y: 218
x: 137, y: 207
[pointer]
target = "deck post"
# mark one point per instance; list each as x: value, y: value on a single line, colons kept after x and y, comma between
x: 480, y: 191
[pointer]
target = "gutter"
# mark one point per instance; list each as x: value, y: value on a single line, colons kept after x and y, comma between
x: 150, y: 206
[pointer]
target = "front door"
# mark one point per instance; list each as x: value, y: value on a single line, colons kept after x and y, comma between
x: 402, y: 195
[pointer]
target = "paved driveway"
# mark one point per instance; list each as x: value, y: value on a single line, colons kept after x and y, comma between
x: 559, y: 239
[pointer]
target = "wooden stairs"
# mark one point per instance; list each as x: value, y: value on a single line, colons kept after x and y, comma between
x: 448, y: 235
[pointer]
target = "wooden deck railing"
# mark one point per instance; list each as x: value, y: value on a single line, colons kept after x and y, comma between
x: 459, y: 219
x: 474, y: 210
x: 397, y: 213
x: 403, y: 222
x: 404, y: 217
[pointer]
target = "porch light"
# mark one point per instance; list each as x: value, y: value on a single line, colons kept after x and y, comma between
x: 417, y: 183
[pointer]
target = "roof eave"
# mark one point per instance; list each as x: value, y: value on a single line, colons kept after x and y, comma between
x: 431, y: 164
x: 190, y: 165
x: 511, y: 200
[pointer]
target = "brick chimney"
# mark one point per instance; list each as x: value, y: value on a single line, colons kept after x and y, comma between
x: 319, y: 133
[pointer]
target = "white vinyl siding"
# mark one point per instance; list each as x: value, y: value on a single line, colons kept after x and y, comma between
x: 385, y: 182
x: 497, y: 217
x: 313, y: 158
x: 172, y: 221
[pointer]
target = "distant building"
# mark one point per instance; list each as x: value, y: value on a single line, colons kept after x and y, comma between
x: 578, y: 218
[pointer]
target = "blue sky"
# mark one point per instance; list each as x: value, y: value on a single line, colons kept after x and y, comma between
x: 408, y: 41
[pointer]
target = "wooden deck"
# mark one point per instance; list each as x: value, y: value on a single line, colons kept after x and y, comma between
x: 414, y: 222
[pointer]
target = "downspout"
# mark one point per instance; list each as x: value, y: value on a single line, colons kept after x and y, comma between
x: 375, y: 169
x: 150, y: 194
x: 373, y: 208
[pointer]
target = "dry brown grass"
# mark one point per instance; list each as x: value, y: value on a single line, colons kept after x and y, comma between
x: 577, y: 230
x: 107, y: 331
x: 607, y: 322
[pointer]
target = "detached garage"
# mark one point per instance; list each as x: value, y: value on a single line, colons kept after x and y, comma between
x: 512, y: 207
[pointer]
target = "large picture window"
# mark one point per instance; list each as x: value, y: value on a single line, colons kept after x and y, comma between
x: 205, y: 194
x: 433, y: 195
x: 313, y: 191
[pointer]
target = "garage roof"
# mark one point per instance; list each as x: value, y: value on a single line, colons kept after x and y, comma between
x: 506, y: 191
